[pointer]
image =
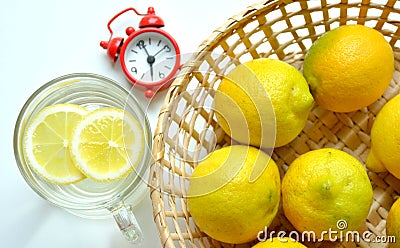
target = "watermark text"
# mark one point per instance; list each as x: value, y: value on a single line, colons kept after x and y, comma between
x: 338, y: 234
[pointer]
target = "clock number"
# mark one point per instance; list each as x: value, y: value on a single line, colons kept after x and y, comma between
x: 133, y: 69
x: 140, y: 44
x: 167, y: 48
x: 161, y: 75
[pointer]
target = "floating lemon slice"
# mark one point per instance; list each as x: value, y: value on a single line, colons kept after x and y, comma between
x: 107, y: 144
x: 47, y: 143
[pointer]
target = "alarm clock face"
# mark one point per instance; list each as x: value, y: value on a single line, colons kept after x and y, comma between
x: 149, y: 57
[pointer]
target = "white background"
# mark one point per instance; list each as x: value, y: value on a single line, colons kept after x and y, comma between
x: 41, y: 40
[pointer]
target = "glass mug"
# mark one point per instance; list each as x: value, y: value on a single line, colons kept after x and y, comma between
x: 87, y: 198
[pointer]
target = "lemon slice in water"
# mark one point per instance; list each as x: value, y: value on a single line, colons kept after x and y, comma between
x: 107, y: 144
x: 47, y: 143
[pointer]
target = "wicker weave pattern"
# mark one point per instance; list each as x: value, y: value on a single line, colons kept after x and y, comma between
x: 187, y: 129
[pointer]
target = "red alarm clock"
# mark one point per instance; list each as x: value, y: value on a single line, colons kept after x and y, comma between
x: 149, y: 56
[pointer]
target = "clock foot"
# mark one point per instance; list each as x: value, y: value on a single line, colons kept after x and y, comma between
x: 149, y: 93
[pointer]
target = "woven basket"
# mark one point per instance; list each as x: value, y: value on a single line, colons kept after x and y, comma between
x: 187, y: 128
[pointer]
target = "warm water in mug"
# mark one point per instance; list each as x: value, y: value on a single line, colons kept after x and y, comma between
x: 87, y: 198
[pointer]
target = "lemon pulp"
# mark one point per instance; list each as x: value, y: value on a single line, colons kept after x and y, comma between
x: 107, y: 144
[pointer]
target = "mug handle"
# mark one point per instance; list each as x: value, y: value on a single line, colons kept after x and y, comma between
x: 127, y: 223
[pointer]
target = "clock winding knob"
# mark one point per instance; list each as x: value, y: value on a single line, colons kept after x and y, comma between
x: 129, y: 30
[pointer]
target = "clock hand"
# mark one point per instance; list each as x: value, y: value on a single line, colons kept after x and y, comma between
x: 151, y: 72
x: 159, y: 51
x: 146, y: 50
x: 151, y: 60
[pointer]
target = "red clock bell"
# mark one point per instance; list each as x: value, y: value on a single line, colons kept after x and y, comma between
x: 149, y: 56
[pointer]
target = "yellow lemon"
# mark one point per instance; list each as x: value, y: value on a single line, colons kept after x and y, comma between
x: 385, y: 139
x: 107, y: 144
x: 326, y: 189
x: 349, y: 68
x: 279, y: 242
x: 234, y: 193
x: 261, y: 99
x: 47, y: 143
x: 393, y: 224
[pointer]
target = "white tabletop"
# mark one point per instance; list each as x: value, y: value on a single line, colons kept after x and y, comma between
x: 43, y: 39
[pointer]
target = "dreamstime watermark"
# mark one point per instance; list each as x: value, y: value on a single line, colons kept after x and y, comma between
x: 328, y: 235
